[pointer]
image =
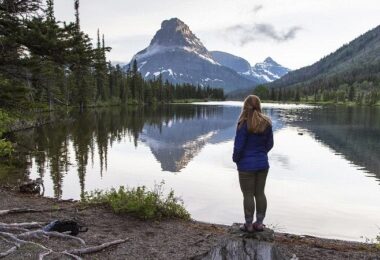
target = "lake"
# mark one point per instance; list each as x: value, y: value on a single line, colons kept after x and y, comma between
x: 323, y: 181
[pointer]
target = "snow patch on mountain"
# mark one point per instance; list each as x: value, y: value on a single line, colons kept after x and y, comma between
x: 269, y: 70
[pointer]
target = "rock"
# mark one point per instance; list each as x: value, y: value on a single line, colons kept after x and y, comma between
x: 241, y: 245
x: 32, y: 187
x: 266, y: 235
x: 243, y: 248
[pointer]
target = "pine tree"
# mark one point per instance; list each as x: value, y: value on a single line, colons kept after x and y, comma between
x: 50, y: 10
x: 134, y: 79
x: 280, y: 95
x: 100, y: 69
x: 351, y: 93
x: 76, y: 7
x: 297, y: 97
x: 81, y: 57
x: 272, y: 94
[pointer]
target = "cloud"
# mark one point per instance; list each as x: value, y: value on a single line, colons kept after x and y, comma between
x: 257, y: 8
x: 261, y: 31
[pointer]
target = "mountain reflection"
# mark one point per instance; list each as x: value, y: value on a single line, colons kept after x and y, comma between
x: 175, y: 134
x: 175, y: 144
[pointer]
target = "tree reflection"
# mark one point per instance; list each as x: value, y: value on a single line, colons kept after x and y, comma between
x: 81, y: 135
x: 352, y: 132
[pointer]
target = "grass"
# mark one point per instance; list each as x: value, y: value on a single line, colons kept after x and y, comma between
x: 140, y: 202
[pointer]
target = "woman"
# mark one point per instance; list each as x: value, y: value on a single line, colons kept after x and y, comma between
x: 253, y: 141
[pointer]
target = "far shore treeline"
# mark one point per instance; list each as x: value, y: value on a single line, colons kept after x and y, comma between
x: 364, y: 93
x: 46, y: 63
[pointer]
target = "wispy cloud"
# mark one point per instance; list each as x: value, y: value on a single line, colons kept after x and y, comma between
x: 257, y: 8
x: 246, y: 33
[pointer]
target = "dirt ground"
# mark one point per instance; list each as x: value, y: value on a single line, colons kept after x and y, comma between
x: 169, y: 239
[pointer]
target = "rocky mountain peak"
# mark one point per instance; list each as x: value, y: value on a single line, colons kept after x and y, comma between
x: 175, y: 33
x: 174, y: 24
x: 179, y: 56
x: 269, y: 60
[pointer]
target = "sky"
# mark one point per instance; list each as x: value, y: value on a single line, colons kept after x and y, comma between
x: 295, y: 33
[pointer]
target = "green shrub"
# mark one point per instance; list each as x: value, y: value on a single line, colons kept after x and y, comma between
x: 5, y: 120
x: 140, y: 202
x: 6, y: 147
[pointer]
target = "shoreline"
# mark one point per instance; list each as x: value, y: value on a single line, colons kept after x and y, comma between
x: 164, y: 239
x: 38, y: 118
x: 320, y: 103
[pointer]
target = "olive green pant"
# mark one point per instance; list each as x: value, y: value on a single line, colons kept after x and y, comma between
x: 252, y: 185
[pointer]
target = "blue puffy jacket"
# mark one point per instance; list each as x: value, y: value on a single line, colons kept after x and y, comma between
x: 251, y: 150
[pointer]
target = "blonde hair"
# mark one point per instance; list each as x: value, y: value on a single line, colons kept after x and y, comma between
x: 257, y: 122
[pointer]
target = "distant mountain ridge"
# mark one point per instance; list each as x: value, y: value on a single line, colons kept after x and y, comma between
x: 356, y: 61
x: 263, y: 72
x: 179, y: 56
x: 269, y: 70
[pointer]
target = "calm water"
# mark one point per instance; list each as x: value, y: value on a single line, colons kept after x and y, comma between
x: 323, y: 181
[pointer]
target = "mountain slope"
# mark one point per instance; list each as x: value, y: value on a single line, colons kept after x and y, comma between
x: 354, y: 62
x: 263, y: 72
x: 178, y: 55
x: 236, y: 63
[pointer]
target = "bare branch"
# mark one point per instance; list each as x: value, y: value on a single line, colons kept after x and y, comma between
x: 37, y: 233
x: 21, y: 210
x: 71, y: 255
x: 12, y: 229
x: 93, y: 249
x: 26, y: 225
x: 12, y: 238
x: 8, y: 252
x: 42, y: 255
x: 17, y: 210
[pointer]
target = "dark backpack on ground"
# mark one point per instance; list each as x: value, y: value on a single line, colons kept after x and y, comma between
x: 65, y: 226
